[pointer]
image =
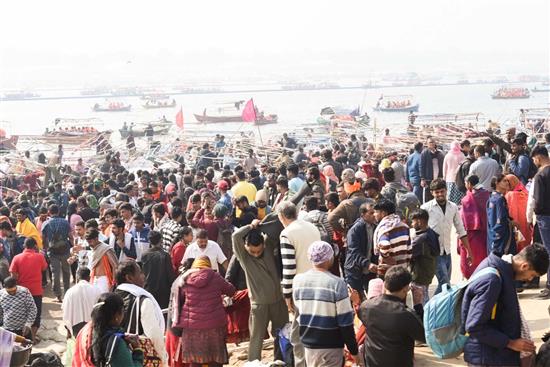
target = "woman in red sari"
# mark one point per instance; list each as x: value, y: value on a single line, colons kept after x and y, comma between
x: 517, y: 207
x: 474, y: 217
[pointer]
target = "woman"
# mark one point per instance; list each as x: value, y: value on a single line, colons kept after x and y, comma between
x: 451, y: 164
x: 202, y: 318
x: 474, y: 217
x: 72, y: 217
x: 516, y: 199
x: 110, y: 346
x: 500, y: 237
x: 331, y: 178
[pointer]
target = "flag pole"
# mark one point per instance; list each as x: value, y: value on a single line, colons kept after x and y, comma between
x: 255, y: 121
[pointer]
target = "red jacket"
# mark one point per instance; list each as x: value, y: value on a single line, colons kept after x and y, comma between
x: 203, y: 308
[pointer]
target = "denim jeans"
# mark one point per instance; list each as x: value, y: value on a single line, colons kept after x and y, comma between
x: 60, y: 267
x: 543, y: 222
x: 443, y: 271
x: 417, y: 190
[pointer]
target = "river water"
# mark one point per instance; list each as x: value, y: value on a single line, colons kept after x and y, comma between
x: 292, y: 107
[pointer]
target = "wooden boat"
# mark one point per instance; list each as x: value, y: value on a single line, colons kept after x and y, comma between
x: 159, y: 104
x: 8, y: 144
x: 112, y: 108
x: 159, y: 128
x: 535, y: 90
x: 65, y: 138
x: 403, y: 103
x: 261, y: 120
x: 511, y: 93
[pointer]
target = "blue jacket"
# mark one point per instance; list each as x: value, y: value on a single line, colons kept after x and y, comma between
x: 491, y: 328
x: 359, y: 253
x: 499, y: 233
x: 520, y: 167
x: 426, y: 164
x: 412, y: 172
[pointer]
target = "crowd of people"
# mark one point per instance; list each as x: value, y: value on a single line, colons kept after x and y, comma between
x: 164, y: 268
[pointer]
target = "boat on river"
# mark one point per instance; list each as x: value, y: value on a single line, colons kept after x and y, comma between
x: 156, y: 104
x: 112, y: 107
x: 511, y: 93
x: 161, y: 127
x: 232, y: 112
x: 397, y: 103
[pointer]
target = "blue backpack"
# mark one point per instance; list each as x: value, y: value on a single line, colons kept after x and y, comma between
x: 442, y: 318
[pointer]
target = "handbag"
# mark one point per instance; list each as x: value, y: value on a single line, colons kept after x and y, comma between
x: 150, y: 355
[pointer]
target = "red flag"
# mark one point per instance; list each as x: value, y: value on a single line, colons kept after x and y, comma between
x: 179, y: 118
x: 249, y: 112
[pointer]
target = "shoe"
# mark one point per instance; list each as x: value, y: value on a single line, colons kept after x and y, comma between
x: 531, y: 286
x: 519, y: 290
x: 544, y: 294
x: 58, y: 300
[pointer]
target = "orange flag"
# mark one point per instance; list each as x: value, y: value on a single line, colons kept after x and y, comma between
x: 249, y: 112
x: 179, y: 118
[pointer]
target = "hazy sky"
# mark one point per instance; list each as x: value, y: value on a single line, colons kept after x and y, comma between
x: 77, y: 43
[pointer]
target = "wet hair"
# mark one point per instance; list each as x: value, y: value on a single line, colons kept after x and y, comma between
x: 420, y: 214
x: 111, y: 212
x: 438, y: 184
x: 385, y: 206
x: 254, y: 238
x: 397, y: 278
x: 108, y: 305
x: 292, y: 168
x: 126, y: 206
x: 537, y: 256
x: 314, y: 170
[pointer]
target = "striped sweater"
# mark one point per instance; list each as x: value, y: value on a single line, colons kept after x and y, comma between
x: 295, y: 240
x: 392, y: 242
x: 325, y: 312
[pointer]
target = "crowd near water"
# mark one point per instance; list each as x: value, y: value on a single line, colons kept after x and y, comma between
x: 165, y: 267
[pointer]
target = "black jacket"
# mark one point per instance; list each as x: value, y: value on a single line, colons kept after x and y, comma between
x: 542, y: 191
x: 426, y: 165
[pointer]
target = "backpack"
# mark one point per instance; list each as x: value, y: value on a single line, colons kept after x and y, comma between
x: 317, y: 222
x: 406, y: 203
x: 460, y: 178
x: 58, y: 244
x: 442, y: 318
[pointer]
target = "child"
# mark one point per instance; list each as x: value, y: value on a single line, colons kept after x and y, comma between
x: 423, y: 263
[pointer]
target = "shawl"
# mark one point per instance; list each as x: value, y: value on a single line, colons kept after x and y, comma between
x: 83, y: 347
x: 473, y: 210
x: 27, y: 229
x: 388, y: 223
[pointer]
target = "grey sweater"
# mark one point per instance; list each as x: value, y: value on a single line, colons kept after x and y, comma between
x: 264, y: 285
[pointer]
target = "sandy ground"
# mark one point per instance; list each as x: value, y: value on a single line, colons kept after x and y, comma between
x: 535, y: 311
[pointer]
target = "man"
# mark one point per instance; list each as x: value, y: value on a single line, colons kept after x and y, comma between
x: 412, y: 170
x: 137, y: 301
x: 12, y: 242
x: 171, y: 228
x: 392, y: 326
x: 326, y: 158
x: 283, y: 192
x: 126, y: 213
x: 313, y: 214
x: 26, y: 228
x: 57, y: 237
x: 431, y: 167
x: 324, y: 309
x: 103, y: 263
x: 313, y: 179
x: 204, y: 247
x: 140, y: 234
x: 121, y: 242
x: 225, y: 198
x: 490, y: 308
x: 158, y: 271
x: 391, y: 238
x: 444, y: 215
x: 360, y: 265
x: 295, y: 239
x: 17, y: 308
x: 258, y: 261
x: 27, y: 268
x: 295, y: 183
x: 299, y: 156
x: 248, y: 212
x: 242, y: 187
x: 84, y: 210
x: 484, y: 167
x: 519, y: 162
x: 79, y: 302
x: 347, y: 212
x: 393, y: 187
x: 539, y: 203
x: 250, y: 162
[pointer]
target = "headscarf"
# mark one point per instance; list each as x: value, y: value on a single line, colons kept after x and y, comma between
x: 455, y: 148
x: 515, y: 183
x: 202, y: 262
x: 386, y: 163
x: 220, y: 210
x: 320, y: 252
x: 351, y: 188
x: 328, y: 172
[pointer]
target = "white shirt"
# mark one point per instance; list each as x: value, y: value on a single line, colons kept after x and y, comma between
x: 212, y: 250
x: 442, y: 223
x: 78, y: 302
